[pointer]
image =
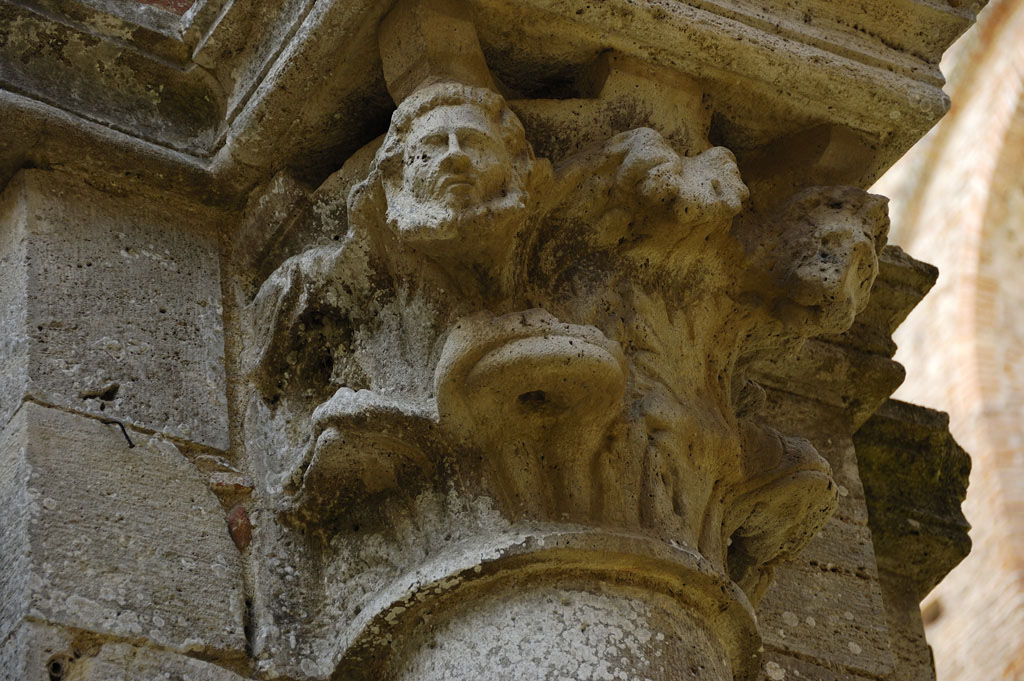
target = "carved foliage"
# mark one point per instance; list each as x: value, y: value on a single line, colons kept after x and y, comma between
x: 570, y: 341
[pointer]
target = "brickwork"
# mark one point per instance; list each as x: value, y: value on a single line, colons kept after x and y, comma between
x: 958, y: 202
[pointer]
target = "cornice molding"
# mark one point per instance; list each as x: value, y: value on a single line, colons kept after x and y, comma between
x: 242, y: 89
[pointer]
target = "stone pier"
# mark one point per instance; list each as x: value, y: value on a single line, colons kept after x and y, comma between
x: 436, y: 340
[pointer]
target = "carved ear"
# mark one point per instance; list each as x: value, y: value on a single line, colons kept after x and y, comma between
x: 367, y: 204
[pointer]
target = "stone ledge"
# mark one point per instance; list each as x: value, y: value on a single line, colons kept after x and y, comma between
x: 915, y: 477
x: 312, y: 81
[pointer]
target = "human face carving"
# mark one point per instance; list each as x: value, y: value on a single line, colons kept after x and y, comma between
x: 456, y: 156
x: 457, y: 170
x: 837, y: 261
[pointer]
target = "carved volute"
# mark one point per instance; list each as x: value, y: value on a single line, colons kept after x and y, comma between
x: 467, y: 340
x: 518, y: 385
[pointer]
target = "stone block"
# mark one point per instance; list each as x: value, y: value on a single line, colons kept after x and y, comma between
x: 36, y: 652
x: 13, y: 341
x: 778, y: 666
x: 123, y: 662
x: 15, y: 548
x: 112, y: 539
x: 845, y: 547
x: 910, y: 651
x: 915, y: 478
x: 117, y: 309
x: 827, y: 605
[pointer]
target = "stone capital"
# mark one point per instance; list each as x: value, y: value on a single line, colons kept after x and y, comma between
x: 546, y: 326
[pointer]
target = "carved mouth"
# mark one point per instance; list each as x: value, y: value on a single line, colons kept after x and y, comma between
x: 455, y: 183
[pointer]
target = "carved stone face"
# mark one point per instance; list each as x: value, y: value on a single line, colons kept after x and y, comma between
x: 821, y: 257
x: 455, y: 157
x: 457, y: 180
x: 838, y: 256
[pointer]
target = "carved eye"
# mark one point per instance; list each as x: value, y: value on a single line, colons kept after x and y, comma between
x: 473, y: 138
x: 426, y: 146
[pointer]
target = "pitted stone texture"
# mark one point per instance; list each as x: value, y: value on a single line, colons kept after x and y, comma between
x: 567, y: 337
x: 456, y: 201
x: 915, y: 478
x: 911, y: 653
x: 827, y: 605
x: 122, y: 309
x: 15, y: 547
x: 781, y: 667
x: 542, y: 633
x: 775, y: 68
x: 123, y: 662
x: 114, y: 540
x: 34, y: 652
x: 13, y: 281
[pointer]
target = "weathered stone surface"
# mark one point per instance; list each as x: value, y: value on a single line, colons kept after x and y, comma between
x: 337, y: 288
x: 915, y: 478
x: 827, y: 605
x: 296, y: 84
x: 114, y: 83
x: 13, y: 309
x: 495, y: 361
x: 122, y: 321
x: 124, y: 662
x: 614, y: 633
x: 568, y: 344
x: 118, y: 540
x: 495, y: 375
x: 912, y: 656
x: 778, y: 666
x: 827, y: 371
x: 37, y: 652
x: 15, y: 544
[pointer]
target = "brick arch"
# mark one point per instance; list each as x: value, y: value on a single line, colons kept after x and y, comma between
x: 960, y: 204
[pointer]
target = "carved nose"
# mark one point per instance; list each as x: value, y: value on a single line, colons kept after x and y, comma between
x: 455, y: 157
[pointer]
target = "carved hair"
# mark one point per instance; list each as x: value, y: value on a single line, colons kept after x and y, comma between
x: 368, y: 199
